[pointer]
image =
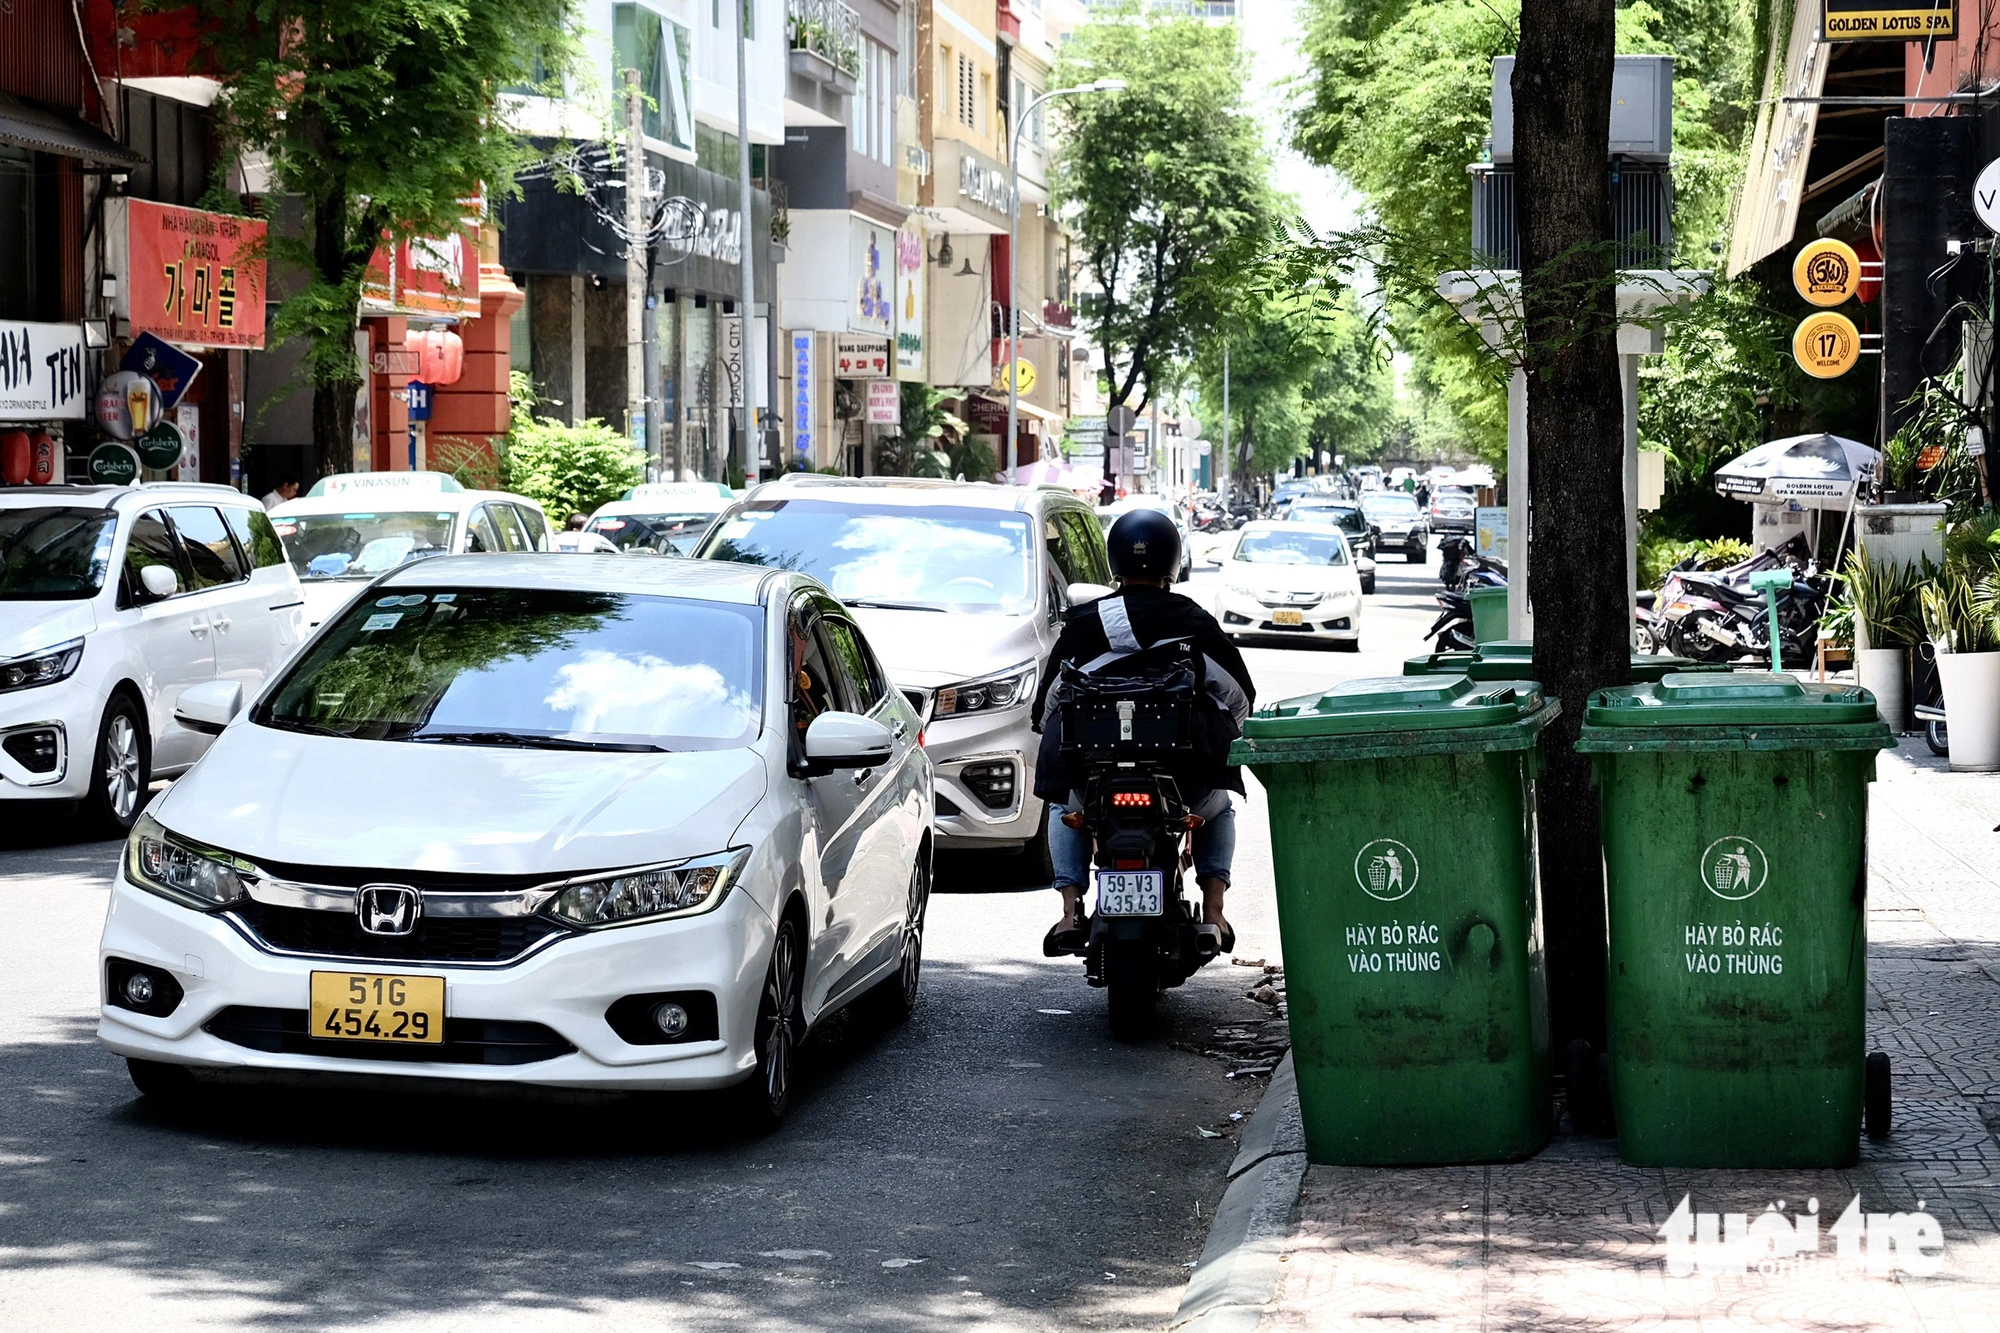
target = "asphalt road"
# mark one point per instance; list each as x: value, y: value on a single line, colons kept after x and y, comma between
x: 996, y: 1163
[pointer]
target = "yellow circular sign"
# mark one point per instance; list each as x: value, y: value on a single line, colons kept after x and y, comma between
x: 1826, y: 345
x: 1827, y: 272
x: 1023, y: 371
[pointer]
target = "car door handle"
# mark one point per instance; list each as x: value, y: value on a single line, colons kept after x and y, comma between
x: 197, y: 629
x: 221, y: 623
x: 861, y: 776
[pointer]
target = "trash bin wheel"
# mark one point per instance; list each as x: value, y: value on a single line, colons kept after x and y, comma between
x: 1131, y: 987
x: 1875, y: 1096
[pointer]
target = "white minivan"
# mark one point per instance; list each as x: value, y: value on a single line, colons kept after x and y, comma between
x: 113, y: 600
x: 353, y: 526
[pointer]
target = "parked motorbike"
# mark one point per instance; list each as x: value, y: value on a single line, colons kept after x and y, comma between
x: 1716, y: 616
x: 1127, y: 731
x: 1458, y: 561
x: 1453, y: 627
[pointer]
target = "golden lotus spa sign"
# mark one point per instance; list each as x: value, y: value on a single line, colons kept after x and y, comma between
x: 1889, y: 20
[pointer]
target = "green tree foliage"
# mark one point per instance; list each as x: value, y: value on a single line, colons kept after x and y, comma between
x: 379, y: 117
x: 571, y: 469
x: 1164, y: 186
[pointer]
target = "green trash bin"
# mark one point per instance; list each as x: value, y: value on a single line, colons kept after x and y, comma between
x: 1735, y: 818
x: 1489, y: 613
x: 1408, y: 908
x: 1513, y: 659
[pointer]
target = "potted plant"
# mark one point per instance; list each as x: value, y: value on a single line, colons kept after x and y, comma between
x: 1880, y: 600
x: 1961, y: 614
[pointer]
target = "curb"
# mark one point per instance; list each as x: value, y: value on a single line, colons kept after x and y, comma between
x: 1236, y: 1278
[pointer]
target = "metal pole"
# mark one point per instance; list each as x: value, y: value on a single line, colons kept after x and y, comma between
x: 1013, y: 331
x: 747, y: 307
x: 1228, y: 459
x: 635, y: 273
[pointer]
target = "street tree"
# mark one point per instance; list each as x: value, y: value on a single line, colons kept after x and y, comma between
x: 1164, y: 185
x: 379, y: 118
x: 1576, y: 447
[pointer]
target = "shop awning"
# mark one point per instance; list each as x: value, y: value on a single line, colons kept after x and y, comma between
x: 64, y: 135
x: 1774, y: 178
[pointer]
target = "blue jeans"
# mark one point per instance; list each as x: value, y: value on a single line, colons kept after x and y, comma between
x: 1214, y: 843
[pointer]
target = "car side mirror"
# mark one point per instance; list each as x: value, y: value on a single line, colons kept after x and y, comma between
x: 846, y: 740
x: 1080, y: 593
x: 159, y: 581
x: 209, y: 706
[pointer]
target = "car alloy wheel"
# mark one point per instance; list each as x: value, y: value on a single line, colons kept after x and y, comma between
x: 118, y: 776
x: 913, y: 937
x: 768, y: 1091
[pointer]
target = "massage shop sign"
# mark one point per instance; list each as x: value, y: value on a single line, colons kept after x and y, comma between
x: 188, y: 276
x: 1890, y: 21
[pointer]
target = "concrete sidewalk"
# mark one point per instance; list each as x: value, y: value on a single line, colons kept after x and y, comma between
x: 1571, y: 1239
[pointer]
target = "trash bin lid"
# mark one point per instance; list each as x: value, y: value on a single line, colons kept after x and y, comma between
x: 1449, y: 662
x: 1514, y: 659
x: 1722, y: 699
x: 1396, y: 703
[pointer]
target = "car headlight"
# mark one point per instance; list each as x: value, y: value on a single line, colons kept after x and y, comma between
x: 1013, y: 686
x: 43, y: 668
x: 187, y: 872
x: 648, y: 893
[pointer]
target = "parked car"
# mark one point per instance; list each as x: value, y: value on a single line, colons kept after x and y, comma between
x: 353, y: 526
x: 1452, y: 511
x: 616, y: 824
x: 664, y: 517
x: 582, y: 543
x: 1398, y: 523
x: 114, y: 600
x: 961, y: 586
x: 1291, y: 579
x: 1347, y: 516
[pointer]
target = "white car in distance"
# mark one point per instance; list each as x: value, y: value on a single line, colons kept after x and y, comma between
x: 612, y: 824
x: 1296, y: 580
x: 114, y: 600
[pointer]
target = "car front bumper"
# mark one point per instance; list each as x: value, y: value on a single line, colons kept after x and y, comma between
x: 70, y: 710
x: 566, y: 987
x: 970, y: 815
x: 1335, y: 616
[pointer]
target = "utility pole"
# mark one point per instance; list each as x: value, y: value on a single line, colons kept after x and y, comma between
x: 746, y: 309
x: 637, y: 428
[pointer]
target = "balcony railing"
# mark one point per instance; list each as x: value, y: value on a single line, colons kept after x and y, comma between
x: 827, y: 29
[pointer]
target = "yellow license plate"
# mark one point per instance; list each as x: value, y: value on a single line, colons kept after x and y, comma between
x: 368, y: 1006
x: 1288, y: 618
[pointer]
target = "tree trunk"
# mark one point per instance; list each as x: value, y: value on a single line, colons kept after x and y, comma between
x: 1576, y: 442
x: 333, y: 394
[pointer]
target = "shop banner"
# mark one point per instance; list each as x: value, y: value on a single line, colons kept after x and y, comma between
x: 856, y: 357
x: 872, y: 269
x: 1891, y: 21
x: 912, y: 309
x: 885, y: 403
x: 801, y: 414
x: 427, y: 277
x: 188, y: 276
x: 41, y: 372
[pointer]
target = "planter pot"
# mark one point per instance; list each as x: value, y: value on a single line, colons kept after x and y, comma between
x: 1884, y: 672
x: 843, y: 82
x: 1971, y: 684
x: 812, y: 65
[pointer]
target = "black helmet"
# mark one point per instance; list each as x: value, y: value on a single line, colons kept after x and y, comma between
x: 1144, y: 544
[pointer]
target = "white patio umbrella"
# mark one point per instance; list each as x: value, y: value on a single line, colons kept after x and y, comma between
x: 1815, y: 471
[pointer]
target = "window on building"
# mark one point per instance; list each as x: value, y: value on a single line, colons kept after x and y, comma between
x: 661, y: 50
x: 967, y: 97
x: 874, y: 122
x: 906, y: 63
x: 985, y: 100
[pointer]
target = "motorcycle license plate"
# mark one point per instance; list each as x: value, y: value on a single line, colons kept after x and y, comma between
x: 1131, y: 892
x: 1288, y: 618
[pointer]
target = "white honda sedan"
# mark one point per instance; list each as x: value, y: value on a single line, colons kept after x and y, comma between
x: 585, y: 822
x: 1297, y: 580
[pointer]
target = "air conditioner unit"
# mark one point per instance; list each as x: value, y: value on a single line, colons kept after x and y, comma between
x: 1642, y: 108
x: 1642, y: 213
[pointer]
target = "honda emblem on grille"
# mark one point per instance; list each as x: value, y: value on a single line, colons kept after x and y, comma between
x: 388, y: 909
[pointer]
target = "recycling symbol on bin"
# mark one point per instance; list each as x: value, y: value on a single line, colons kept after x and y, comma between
x: 1734, y: 868
x: 1386, y: 869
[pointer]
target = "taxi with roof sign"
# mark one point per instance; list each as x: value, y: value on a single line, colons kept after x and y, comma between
x: 352, y: 527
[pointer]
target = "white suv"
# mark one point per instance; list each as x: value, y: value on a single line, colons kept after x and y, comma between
x: 114, y: 599
x: 961, y: 587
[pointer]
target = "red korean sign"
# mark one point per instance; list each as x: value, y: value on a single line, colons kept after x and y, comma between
x: 191, y: 277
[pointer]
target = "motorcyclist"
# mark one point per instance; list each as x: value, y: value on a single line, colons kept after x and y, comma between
x: 1145, y: 551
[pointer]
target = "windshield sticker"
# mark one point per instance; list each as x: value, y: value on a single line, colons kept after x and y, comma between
x: 386, y: 621
x: 446, y: 597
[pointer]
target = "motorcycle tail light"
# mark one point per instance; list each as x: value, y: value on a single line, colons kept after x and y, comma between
x: 1128, y: 865
x: 1131, y: 800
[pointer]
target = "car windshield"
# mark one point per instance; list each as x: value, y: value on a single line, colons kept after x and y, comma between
x: 1383, y: 505
x: 1345, y: 516
x: 663, y: 532
x: 1292, y: 546
x: 937, y: 558
x: 361, y: 545
x: 536, y: 668
x: 54, y: 554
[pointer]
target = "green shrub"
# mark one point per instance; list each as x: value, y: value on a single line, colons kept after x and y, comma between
x: 571, y: 469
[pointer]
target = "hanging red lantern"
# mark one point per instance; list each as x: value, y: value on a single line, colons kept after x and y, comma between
x: 42, y: 460
x: 440, y: 356
x: 16, y: 457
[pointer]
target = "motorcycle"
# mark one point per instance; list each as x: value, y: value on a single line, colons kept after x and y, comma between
x: 1126, y: 731
x: 1716, y: 616
x: 1453, y: 627
x: 1457, y: 562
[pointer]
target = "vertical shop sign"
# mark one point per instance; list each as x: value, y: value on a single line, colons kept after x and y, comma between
x: 802, y: 396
